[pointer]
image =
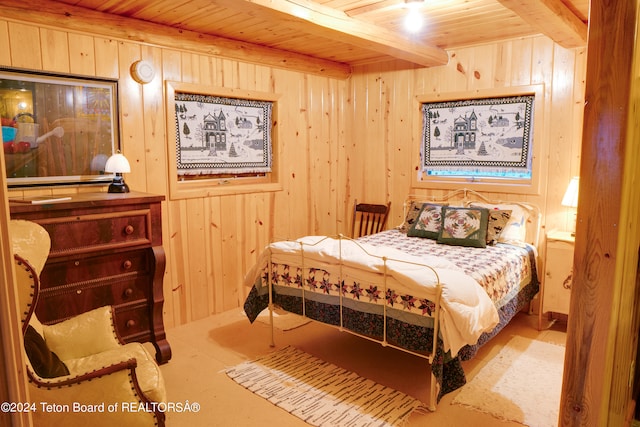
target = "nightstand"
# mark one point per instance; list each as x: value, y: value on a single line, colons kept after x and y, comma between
x: 558, y: 273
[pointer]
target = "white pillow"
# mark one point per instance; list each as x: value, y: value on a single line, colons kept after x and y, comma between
x: 516, y: 228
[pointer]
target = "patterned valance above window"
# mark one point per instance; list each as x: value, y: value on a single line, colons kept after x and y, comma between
x: 489, y: 137
x: 218, y: 135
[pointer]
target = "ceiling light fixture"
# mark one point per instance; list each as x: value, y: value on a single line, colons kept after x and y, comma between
x: 413, y: 19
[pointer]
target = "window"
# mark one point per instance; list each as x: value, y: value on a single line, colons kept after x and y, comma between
x: 484, y: 140
x: 221, y: 141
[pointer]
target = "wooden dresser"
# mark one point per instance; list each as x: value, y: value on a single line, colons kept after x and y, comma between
x: 106, y: 249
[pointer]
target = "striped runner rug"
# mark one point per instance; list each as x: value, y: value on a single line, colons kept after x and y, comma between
x: 322, y: 394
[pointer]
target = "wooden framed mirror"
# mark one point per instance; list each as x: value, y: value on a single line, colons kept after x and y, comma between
x: 57, y: 129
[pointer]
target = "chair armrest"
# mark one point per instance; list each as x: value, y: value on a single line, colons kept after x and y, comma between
x: 105, y: 391
x: 83, y: 335
x: 149, y: 375
x: 73, y: 379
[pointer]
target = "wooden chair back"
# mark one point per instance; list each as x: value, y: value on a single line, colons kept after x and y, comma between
x: 368, y: 218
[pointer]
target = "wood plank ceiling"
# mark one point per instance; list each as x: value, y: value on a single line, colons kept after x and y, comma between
x: 355, y: 32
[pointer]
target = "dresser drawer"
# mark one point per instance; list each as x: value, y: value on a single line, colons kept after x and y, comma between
x: 93, y: 232
x: 132, y: 322
x: 59, y: 303
x: 75, y: 269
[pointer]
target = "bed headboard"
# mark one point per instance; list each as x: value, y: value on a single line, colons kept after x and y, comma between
x: 466, y: 197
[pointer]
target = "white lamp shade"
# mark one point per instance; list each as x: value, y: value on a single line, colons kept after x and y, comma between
x: 570, y: 198
x: 117, y: 163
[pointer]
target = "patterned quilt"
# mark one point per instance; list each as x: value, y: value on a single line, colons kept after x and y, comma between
x: 501, y: 270
x: 349, y: 298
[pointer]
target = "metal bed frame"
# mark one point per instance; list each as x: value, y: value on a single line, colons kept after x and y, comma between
x: 464, y: 193
x: 436, y: 317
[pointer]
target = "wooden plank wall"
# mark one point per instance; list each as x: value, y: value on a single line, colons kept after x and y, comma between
x: 385, y: 128
x: 340, y: 140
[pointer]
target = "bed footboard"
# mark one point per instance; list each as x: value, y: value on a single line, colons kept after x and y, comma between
x: 308, y: 296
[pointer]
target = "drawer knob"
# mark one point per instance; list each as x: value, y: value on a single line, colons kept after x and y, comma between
x: 127, y: 264
x: 128, y: 292
x: 128, y: 229
x: 79, y: 291
x: 130, y: 323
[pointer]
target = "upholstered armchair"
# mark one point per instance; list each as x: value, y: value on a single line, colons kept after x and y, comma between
x: 80, y: 374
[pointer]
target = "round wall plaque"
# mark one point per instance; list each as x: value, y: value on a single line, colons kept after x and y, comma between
x: 142, y: 71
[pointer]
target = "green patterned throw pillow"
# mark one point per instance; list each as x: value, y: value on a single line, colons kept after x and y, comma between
x: 428, y: 222
x: 464, y: 227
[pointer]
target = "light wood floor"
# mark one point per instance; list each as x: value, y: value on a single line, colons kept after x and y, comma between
x: 203, y: 349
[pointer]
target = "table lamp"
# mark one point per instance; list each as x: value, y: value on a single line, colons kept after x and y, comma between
x: 570, y: 198
x: 118, y: 164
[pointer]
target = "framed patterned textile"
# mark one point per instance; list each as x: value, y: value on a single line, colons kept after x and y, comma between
x: 478, y: 138
x: 218, y: 135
